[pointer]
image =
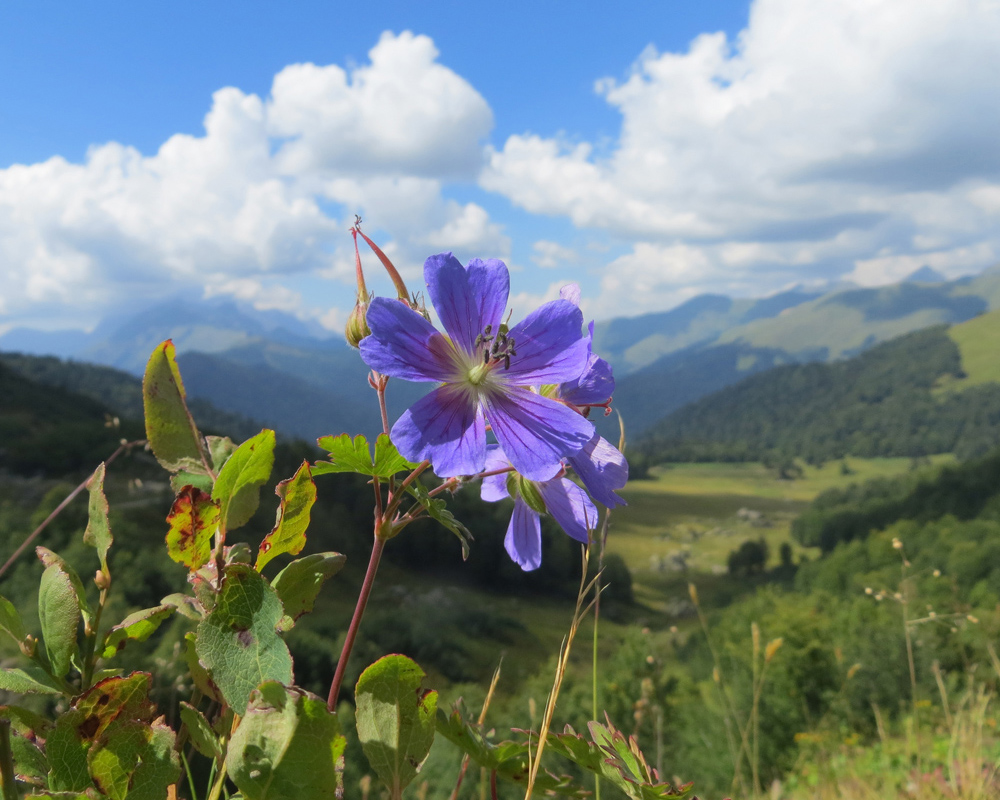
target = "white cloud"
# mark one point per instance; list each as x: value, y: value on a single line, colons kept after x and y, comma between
x: 259, y: 196
x: 550, y: 255
x: 950, y: 263
x: 826, y: 131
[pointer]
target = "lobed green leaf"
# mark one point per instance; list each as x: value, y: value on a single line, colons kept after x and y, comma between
x: 354, y: 455
x: 395, y: 720
x: 297, y: 495
x: 238, y: 643
x: 287, y: 746
x: 237, y: 488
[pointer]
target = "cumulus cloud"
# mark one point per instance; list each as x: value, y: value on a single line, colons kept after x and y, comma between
x: 268, y: 191
x: 550, y: 255
x: 825, y: 133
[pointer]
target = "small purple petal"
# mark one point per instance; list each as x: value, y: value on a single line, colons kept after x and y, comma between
x: 524, y: 537
x: 536, y: 433
x: 571, y: 293
x: 595, y: 385
x: 403, y: 344
x: 570, y: 507
x: 550, y: 347
x: 494, y: 487
x: 602, y: 469
x: 447, y: 429
x: 467, y: 299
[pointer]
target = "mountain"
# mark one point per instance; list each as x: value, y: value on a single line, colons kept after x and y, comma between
x: 911, y: 396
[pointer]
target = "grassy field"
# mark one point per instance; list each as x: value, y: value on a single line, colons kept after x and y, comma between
x: 694, y: 515
x: 978, y: 341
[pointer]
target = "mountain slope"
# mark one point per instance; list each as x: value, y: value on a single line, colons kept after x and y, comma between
x: 881, y: 403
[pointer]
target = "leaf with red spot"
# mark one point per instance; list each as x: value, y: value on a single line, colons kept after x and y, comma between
x: 297, y: 495
x: 193, y: 520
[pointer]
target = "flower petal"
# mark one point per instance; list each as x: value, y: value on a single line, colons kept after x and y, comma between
x: 446, y: 428
x: 536, y: 433
x: 595, y: 385
x: 524, y: 537
x: 571, y: 292
x: 602, y: 469
x: 467, y: 299
x: 494, y: 487
x: 403, y: 344
x: 550, y: 347
x: 570, y: 507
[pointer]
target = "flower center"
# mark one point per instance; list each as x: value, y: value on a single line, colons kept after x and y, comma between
x: 496, y: 348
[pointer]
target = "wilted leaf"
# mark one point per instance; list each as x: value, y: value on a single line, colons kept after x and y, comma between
x: 98, y: 533
x: 287, y: 746
x: 237, y: 488
x: 59, y: 615
x: 136, y: 627
x: 299, y: 584
x: 237, y: 641
x: 135, y: 760
x: 79, y: 729
x: 193, y: 521
x: 297, y: 495
x: 395, y: 720
x: 10, y: 621
x: 172, y: 434
x: 354, y: 455
x: 202, y: 736
x: 437, y: 509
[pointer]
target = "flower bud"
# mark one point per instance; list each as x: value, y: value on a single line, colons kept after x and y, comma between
x: 102, y: 580
x: 29, y: 645
x: 357, y: 324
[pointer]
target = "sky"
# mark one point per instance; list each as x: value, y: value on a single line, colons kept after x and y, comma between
x: 650, y: 154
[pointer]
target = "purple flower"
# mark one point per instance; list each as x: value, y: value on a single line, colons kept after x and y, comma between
x: 564, y: 500
x: 602, y: 468
x: 485, y: 372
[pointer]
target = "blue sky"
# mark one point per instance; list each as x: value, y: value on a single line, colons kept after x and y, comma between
x: 650, y: 154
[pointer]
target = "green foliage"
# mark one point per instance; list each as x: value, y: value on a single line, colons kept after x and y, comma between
x: 750, y: 557
x: 170, y: 429
x: 354, y: 455
x: 237, y: 488
x: 881, y: 403
x: 288, y: 745
x: 237, y: 640
x: 300, y: 582
x: 297, y: 496
x: 395, y: 720
x: 98, y: 533
x: 59, y: 615
x: 136, y: 627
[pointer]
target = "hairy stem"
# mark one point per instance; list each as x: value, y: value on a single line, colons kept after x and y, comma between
x: 359, y: 611
x: 10, y: 791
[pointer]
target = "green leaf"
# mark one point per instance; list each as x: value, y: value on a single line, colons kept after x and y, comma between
x: 172, y: 434
x: 237, y: 641
x: 98, y: 533
x: 24, y: 720
x: 219, y: 449
x: 10, y: 621
x: 297, y: 495
x: 136, y: 627
x: 48, y: 558
x: 354, y: 455
x: 135, y: 760
x: 287, y: 746
x: 198, y: 672
x: 299, y: 583
x: 237, y: 488
x: 184, y: 478
x: 510, y: 760
x: 395, y: 720
x: 202, y: 736
x: 193, y: 520
x: 437, y: 509
x: 30, y: 764
x: 79, y: 730
x: 186, y: 605
x: 59, y: 615
x: 618, y: 760
x: 21, y: 681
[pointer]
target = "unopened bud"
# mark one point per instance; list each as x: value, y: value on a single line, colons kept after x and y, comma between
x: 357, y: 324
x: 28, y: 645
x: 102, y: 580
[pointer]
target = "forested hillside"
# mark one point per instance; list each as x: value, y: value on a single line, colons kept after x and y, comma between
x: 881, y: 403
